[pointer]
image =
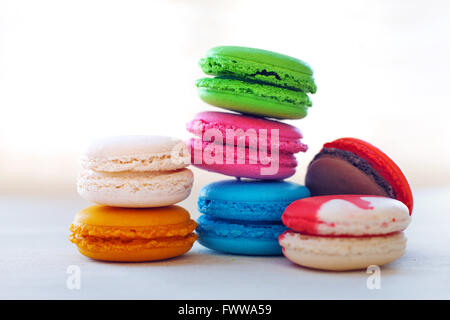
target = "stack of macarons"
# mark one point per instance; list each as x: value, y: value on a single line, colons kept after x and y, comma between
x: 135, y: 182
x: 257, y: 84
x: 361, y: 203
x: 244, y: 217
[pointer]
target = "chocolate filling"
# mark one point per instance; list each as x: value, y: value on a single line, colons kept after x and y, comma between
x: 359, y: 163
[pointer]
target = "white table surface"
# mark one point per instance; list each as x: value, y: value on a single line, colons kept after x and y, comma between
x: 35, y: 255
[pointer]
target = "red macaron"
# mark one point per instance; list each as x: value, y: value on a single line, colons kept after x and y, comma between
x: 353, y: 166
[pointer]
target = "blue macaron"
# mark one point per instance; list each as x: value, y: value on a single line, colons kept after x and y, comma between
x: 249, y: 200
x: 244, y: 216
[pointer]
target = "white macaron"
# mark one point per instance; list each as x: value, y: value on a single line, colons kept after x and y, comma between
x: 135, y: 171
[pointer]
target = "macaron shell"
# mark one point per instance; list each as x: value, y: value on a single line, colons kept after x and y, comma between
x: 381, y: 163
x: 223, y: 121
x: 253, y: 98
x: 259, y: 65
x: 248, y: 137
x: 206, y: 156
x: 135, y: 153
x: 249, y: 247
x: 239, y: 237
x: 346, y: 215
x: 342, y: 253
x: 253, y: 191
x: 105, y: 216
x: 211, y: 153
x: 135, y: 190
x: 140, y: 254
x: 132, y: 144
x: 249, y: 200
x: 261, y: 56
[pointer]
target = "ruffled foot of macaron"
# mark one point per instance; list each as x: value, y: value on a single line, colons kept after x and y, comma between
x: 344, y: 232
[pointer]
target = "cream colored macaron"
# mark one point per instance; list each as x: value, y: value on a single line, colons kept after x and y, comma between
x: 135, y: 172
x: 342, y: 253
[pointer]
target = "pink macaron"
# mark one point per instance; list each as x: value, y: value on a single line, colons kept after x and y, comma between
x: 244, y: 146
x: 344, y: 232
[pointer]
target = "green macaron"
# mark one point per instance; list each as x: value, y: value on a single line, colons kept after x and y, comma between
x: 259, y: 65
x: 257, y: 82
x: 253, y: 98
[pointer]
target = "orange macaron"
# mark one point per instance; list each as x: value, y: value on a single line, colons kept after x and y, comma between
x: 127, y: 234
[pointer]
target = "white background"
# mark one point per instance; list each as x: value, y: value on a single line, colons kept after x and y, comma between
x: 74, y: 70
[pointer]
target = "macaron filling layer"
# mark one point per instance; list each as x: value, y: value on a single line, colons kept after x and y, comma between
x: 359, y: 163
x: 247, y: 131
